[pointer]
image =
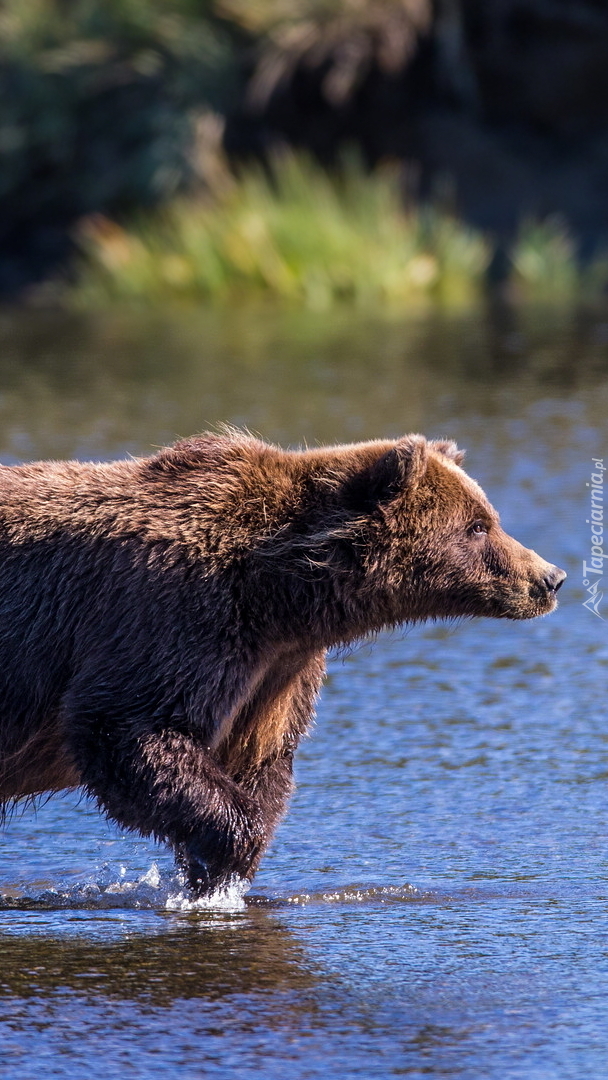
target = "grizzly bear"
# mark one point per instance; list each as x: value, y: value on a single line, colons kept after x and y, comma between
x: 164, y: 621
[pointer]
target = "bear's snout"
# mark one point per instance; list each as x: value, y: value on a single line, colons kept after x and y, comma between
x: 535, y: 582
x: 554, y: 579
x: 544, y: 582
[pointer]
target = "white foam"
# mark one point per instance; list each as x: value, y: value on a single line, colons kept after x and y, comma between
x: 230, y: 898
x: 113, y: 888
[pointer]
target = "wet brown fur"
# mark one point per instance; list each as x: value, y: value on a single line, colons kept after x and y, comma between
x: 164, y: 621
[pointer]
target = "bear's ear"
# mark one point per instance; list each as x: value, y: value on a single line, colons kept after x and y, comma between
x: 448, y: 448
x: 398, y: 469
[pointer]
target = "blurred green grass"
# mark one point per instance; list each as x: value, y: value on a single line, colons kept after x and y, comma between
x: 299, y: 235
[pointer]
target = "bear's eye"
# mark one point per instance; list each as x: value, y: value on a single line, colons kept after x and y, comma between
x: 478, y: 528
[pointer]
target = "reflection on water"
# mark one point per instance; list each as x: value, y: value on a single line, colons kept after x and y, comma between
x: 436, y: 901
x: 182, y: 960
x: 116, y: 383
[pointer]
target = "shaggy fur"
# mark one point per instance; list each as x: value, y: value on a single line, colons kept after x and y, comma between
x: 164, y: 621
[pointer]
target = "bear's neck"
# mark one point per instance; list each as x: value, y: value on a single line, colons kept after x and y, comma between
x: 318, y: 607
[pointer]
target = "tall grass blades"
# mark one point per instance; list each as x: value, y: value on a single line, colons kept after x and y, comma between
x: 298, y: 235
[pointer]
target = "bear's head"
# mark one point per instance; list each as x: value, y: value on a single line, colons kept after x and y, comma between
x: 343, y: 541
x: 431, y: 543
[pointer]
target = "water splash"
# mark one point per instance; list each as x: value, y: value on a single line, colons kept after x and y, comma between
x: 348, y: 894
x: 113, y: 888
x: 230, y: 898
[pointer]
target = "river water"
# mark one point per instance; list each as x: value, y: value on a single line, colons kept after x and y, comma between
x: 436, y: 901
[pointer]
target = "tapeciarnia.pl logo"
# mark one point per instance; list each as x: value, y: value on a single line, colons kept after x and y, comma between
x: 594, y: 569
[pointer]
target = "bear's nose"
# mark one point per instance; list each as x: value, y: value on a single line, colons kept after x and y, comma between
x: 555, y: 578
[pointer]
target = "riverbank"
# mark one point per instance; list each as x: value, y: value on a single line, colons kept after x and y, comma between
x: 298, y: 235
x: 103, y: 111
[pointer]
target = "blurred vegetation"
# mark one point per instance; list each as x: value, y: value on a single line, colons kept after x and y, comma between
x: 112, y: 113
x: 295, y: 233
x: 96, y: 112
x: 344, y: 38
x: 299, y: 234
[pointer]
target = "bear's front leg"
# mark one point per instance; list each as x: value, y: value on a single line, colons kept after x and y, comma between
x: 270, y: 785
x: 167, y: 785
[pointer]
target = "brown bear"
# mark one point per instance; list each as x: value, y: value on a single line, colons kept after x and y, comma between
x: 164, y: 621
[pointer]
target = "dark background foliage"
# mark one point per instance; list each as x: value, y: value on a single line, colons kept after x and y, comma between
x: 499, y: 106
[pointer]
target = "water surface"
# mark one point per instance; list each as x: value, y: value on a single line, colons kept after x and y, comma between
x: 436, y: 902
